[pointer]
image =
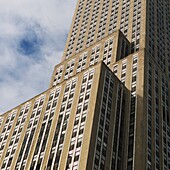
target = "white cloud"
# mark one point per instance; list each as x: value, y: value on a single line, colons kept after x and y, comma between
x: 40, y: 25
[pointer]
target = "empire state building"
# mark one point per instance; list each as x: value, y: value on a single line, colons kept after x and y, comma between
x: 108, y: 103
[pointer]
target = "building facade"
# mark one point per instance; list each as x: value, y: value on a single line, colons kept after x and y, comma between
x: 107, y: 106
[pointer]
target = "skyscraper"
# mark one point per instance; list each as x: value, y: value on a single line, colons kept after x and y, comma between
x: 107, y: 106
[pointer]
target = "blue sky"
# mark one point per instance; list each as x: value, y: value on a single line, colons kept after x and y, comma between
x: 32, y: 39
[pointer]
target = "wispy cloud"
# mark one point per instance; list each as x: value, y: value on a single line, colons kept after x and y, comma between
x: 32, y: 39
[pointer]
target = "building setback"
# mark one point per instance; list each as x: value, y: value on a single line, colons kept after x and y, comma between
x: 107, y: 106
